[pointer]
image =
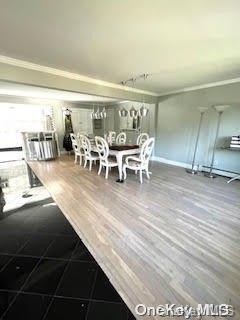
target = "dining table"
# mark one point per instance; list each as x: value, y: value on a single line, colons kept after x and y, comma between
x: 119, y: 151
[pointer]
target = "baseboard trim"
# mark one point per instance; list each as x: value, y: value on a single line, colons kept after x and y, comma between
x: 188, y: 166
x: 171, y: 162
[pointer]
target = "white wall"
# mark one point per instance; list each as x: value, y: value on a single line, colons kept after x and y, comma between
x: 178, y: 120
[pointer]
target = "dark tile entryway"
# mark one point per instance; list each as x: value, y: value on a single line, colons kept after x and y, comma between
x: 47, y: 273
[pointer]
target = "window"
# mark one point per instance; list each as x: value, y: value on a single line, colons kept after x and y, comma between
x: 15, y: 118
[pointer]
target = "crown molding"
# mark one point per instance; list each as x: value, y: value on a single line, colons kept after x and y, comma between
x: 69, y: 75
x: 203, y: 86
x: 75, y: 76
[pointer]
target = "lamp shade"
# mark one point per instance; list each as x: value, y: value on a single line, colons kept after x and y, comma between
x: 103, y: 113
x: 143, y: 111
x: 97, y: 114
x: 202, y: 109
x: 123, y: 112
x: 133, y: 112
x: 221, y: 108
x: 92, y: 115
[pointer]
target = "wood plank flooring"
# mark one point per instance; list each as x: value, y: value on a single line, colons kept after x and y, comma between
x: 173, y: 239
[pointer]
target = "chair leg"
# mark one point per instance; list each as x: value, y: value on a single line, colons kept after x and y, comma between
x: 147, y: 173
x: 80, y: 161
x: 85, y: 163
x: 124, y: 172
x: 100, y: 169
x: 140, y: 173
x: 90, y: 165
x: 106, y: 175
x: 75, y: 160
x: 135, y: 171
x: 95, y: 162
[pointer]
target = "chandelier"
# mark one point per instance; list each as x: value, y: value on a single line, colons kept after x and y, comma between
x: 123, y: 112
x: 133, y: 112
x: 98, y: 114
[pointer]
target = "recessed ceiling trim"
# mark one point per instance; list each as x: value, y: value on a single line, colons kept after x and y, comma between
x: 66, y: 74
x: 203, y: 86
x: 75, y: 76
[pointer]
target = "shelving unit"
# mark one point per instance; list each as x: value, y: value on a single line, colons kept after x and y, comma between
x: 235, y: 150
x: 40, y: 145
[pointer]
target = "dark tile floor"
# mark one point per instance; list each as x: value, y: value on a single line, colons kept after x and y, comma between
x: 47, y: 273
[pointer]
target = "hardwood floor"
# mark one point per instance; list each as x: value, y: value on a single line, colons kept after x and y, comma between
x: 173, y: 239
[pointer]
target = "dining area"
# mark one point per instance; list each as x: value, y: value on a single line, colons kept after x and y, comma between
x: 113, y: 151
x: 142, y: 233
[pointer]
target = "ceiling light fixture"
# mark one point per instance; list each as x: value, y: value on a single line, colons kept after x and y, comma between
x: 123, y: 112
x: 133, y: 113
x: 103, y: 113
x: 98, y: 114
x: 143, y: 111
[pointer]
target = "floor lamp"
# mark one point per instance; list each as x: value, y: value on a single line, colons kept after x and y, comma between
x: 220, y: 109
x: 202, y: 111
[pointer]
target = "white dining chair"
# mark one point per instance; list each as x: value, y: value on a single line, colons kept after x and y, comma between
x: 121, y: 138
x: 80, y: 147
x: 111, y: 137
x: 142, y: 137
x: 103, y: 151
x: 88, y: 154
x: 140, y: 163
x: 75, y: 146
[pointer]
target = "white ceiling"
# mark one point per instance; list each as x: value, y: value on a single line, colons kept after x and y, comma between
x: 183, y: 43
x: 21, y: 90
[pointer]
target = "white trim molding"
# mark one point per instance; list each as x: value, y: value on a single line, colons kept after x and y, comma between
x: 202, y: 86
x: 188, y: 166
x: 70, y: 75
x: 76, y: 76
x: 171, y: 162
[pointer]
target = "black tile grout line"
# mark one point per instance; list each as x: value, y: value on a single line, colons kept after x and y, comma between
x: 41, y: 233
x: 18, y: 254
x: 14, y: 255
x: 90, y: 300
x: 18, y: 251
x: 61, y: 297
x: 66, y: 267
x: 102, y: 301
x: 44, y: 257
x: 93, y: 285
x: 87, y: 251
x: 59, y: 282
x: 19, y: 291
x: 91, y: 294
x: 56, y: 259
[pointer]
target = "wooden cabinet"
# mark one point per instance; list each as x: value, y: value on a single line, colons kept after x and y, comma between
x: 82, y: 121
